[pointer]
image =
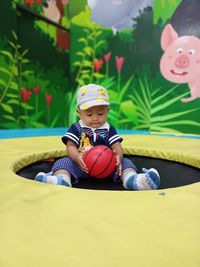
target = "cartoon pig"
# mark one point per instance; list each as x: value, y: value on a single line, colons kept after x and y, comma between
x: 180, y: 62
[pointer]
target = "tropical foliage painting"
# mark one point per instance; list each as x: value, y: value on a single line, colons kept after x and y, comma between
x: 46, y: 56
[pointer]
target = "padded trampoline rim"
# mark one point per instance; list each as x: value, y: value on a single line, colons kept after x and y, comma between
x: 185, y: 156
x: 131, y: 223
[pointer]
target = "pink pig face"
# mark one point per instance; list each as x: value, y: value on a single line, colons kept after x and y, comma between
x: 180, y: 62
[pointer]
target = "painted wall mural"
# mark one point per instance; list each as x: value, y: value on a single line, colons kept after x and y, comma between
x: 122, y: 45
x: 181, y: 61
x: 117, y: 14
x: 34, y: 68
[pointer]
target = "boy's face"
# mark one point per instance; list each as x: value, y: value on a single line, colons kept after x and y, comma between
x: 94, y: 117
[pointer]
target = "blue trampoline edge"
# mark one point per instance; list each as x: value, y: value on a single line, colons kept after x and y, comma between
x: 36, y: 132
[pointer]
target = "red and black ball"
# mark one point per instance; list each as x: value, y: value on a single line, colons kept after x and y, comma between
x: 100, y: 161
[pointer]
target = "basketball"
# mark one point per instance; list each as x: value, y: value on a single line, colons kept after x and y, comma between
x: 100, y: 161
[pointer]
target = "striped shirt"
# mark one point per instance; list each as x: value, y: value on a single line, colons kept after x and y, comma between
x: 84, y: 136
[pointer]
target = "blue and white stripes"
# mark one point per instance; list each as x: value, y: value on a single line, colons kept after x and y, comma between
x: 115, y: 138
x: 72, y: 137
x: 106, y: 134
x: 149, y: 180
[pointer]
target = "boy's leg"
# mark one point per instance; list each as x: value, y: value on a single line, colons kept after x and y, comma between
x: 149, y: 180
x: 60, y: 177
x: 61, y: 172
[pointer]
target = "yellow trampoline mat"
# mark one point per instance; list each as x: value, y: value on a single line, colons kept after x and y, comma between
x: 45, y: 225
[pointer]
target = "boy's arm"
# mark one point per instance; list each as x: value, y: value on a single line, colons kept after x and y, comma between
x: 73, y: 153
x: 117, y: 149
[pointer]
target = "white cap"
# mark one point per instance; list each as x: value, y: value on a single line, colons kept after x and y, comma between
x: 92, y: 95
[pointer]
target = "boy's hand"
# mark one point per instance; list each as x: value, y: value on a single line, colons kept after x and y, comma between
x: 81, y: 163
x: 118, y: 162
x: 74, y: 154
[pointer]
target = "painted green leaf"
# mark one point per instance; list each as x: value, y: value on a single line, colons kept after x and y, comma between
x: 15, y: 70
x: 25, y: 61
x: 108, y: 82
x: 7, y: 54
x: 85, y: 71
x: 87, y: 63
x: 23, y: 117
x: 38, y: 124
x: 14, y: 35
x: 36, y: 116
x: 53, y: 123
x: 13, y: 101
x: 86, y: 76
x: 163, y: 10
x: 80, y: 81
x: 24, y: 53
x: 125, y: 88
x: 82, y: 40
x: 4, y: 70
x: 171, y: 116
x: 113, y: 96
x: 140, y: 104
x: 65, y: 22
x: 145, y: 90
x: 125, y: 121
x: 129, y: 110
x: 98, y: 75
x: 8, y: 117
x: 13, y: 85
x: 179, y: 122
x: 80, y: 53
x: 7, y: 107
x: 10, y: 125
x: 112, y: 116
x: 88, y: 51
x: 2, y: 83
x: 12, y: 96
x: 86, y: 30
x: 26, y: 106
x: 162, y: 96
x: 26, y: 73
x: 163, y: 130
x: 167, y: 103
x: 12, y: 45
x: 98, y: 33
x: 77, y: 63
x: 99, y: 44
x: 115, y: 102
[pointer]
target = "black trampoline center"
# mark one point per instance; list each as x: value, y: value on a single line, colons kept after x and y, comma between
x: 172, y: 174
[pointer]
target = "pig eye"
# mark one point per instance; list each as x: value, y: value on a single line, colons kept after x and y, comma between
x: 191, y: 52
x: 179, y: 50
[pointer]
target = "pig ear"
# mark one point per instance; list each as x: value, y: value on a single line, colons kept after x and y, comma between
x: 168, y: 36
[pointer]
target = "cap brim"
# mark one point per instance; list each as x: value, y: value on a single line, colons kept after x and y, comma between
x: 93, y: 103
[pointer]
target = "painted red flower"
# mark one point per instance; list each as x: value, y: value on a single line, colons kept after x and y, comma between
x: 98, y: 64
x: 107, y: 56
x: 25, y: 93
x: 48, y: 99
x: 119, y: 63
x: 39, y: 2
x: 29, y: 2
x: 64, y: 2
x: 36, y: 90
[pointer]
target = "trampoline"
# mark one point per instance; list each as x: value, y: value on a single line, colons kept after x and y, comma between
x: 173, y: 174
x: 48, y: 225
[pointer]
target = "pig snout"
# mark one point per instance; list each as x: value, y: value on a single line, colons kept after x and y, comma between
x: 182, y: 62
